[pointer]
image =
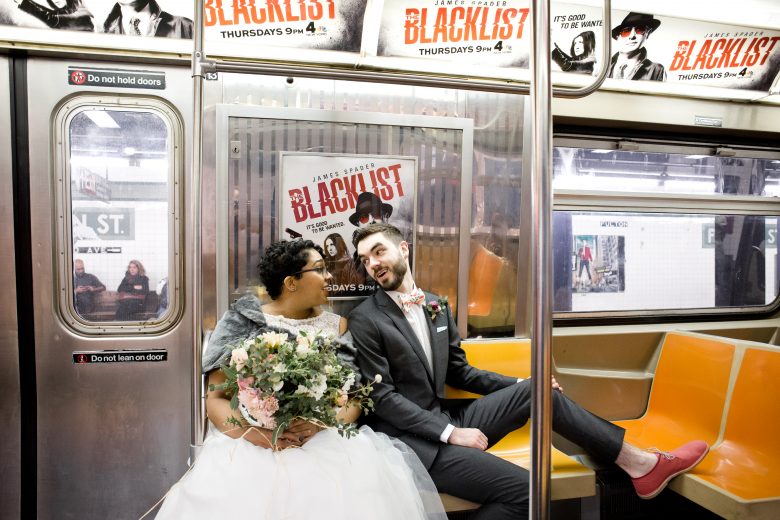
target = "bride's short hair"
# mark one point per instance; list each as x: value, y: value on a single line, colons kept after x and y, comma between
x: 282, y: 259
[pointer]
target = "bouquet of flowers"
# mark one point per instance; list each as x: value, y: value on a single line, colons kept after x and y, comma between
x: 274, y: 380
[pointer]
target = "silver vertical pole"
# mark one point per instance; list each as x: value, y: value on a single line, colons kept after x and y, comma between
x: 541, y: 203
x: 194, y: 232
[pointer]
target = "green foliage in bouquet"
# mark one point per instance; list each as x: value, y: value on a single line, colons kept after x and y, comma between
x: 274, y: 380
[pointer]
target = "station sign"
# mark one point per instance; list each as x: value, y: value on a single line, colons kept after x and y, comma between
x: 107, y: 223
x: 708, y: 236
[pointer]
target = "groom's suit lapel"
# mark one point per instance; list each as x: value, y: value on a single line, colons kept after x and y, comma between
x: 439, y: 342
x: 391, y: 309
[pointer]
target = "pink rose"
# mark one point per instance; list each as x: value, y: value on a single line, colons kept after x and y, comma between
x: 245, y: 382
x: 261, y: 409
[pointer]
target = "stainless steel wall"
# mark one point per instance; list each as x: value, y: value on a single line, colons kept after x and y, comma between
x: 497, y: 145
x: 10, y: 442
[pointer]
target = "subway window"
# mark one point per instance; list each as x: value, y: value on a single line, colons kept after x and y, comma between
x: 119, y: 202
x: 690, y: 252
x: 694, y: 172
x: 642, y: 261
x: 494, y: 244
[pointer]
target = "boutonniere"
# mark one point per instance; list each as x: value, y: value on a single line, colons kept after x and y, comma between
x: 436, y: 306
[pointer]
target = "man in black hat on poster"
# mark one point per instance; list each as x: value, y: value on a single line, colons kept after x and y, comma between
x: 370, y: 209
x: 631, y: 62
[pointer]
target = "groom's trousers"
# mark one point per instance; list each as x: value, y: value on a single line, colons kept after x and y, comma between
x: 502, y: 487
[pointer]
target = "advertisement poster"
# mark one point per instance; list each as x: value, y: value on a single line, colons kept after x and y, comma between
x: 494, y: 33
x: 334, y: 25
x: 660, y: 48
x: 643, y: 46
x: 576, y: 38
x: 229, y: 25
x: 325, y: 198
x: 154, y: 18
x: 491, y: 36
x: 599, y: 264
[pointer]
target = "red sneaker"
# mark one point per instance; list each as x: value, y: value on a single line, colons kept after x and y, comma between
x: 669, y: 465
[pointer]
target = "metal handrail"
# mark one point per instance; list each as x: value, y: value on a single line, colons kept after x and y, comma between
x: 541, y: 245
x: 197, y: 427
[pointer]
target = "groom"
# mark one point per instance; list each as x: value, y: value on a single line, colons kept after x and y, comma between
x: 417, y: 351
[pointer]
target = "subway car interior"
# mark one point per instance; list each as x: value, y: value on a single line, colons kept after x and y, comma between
x: 590, y: 189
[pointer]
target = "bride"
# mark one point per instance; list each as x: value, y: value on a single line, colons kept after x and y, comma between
x: 312, y: 473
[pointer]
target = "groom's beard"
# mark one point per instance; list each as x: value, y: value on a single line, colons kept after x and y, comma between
x: 398, y: 271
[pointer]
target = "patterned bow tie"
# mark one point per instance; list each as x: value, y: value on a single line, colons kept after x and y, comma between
x: 416, y: 297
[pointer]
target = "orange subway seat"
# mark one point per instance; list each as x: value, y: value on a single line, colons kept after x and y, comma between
x: 688, y: 394
x: 483, y: 277
x: 747, y: 461
x: 512, y: 357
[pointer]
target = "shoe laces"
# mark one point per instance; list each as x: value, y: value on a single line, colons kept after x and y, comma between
x: 664, y: 454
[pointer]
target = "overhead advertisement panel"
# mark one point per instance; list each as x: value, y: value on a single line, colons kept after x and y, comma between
x: 302, y: 24
x: 163, y: 18
x: 496, y: 33
x: 478, y: 38
x: 465, y: 31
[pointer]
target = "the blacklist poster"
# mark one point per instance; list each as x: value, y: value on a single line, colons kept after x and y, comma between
x: 147, y: 18
x: 650, y: 47
x: 325, y: 198
x: 334, y: 25
x: 494, y: 32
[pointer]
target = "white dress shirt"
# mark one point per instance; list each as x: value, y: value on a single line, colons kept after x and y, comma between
x: 417, y: 318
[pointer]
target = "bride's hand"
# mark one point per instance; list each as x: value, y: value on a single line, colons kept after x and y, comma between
x: 301, y: 430
x: 262, y: 438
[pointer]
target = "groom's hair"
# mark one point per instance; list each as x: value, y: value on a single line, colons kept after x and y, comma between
x: 282, y: 259
x: 391, y: 233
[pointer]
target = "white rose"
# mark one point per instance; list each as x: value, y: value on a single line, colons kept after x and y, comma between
x: 320, y: 386
x: 348, y: 383
x: 303, y: 350
x: 302, y: 390
x: 274, y: 339
x: 278, y: 386
x: 238, y: 357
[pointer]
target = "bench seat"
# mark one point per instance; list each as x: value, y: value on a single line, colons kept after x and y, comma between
x: 106, y: 304
x: 512, y: 357
x: 740, y: 477
x: 688, y: 394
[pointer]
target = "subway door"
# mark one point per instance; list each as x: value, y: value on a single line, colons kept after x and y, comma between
x: 109, y: 160
x: 10, y: 406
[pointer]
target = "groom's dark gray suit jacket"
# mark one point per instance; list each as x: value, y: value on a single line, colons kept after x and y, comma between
x: 409, y: 402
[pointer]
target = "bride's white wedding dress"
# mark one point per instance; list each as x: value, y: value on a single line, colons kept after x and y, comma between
x: 368, y: 476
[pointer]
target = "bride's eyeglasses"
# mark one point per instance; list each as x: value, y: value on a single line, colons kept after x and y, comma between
x: 322, y: 270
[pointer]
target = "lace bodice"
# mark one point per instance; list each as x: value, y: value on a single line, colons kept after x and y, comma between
x: 326, y: 322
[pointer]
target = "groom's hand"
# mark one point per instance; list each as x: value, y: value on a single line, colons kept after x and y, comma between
x: 469, y: 437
